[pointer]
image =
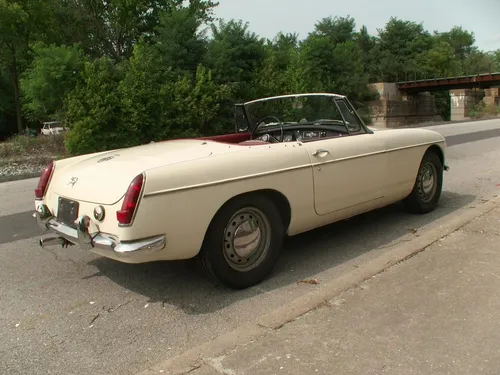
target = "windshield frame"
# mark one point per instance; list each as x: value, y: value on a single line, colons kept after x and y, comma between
x: 250, y: 127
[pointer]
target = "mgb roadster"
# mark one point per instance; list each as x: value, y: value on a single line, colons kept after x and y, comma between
x: 293, y: 163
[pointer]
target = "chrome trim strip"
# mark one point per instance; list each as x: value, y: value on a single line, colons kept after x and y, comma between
x: 375, y: 153
x: 417, y: 145
x: 220, y: 182
x: 295, y: 96
x: 350, y: 158
x: 256, y: 175
x: 363, y: 125
x: 342, y: 115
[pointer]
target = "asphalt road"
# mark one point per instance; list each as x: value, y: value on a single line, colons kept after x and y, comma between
x: 65, y: 311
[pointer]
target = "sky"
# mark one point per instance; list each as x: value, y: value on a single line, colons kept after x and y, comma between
x: 267, y: 17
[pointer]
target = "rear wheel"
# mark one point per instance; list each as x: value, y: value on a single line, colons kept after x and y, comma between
x: 428, y: 185
x: 243, y: 242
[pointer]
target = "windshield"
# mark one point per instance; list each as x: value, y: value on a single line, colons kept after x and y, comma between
x: 302, y: 110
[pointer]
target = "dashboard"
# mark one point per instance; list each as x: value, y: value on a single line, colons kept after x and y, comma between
x: 298, y: 135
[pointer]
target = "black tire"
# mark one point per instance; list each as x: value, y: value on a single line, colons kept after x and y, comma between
x: 219, y: 256
x: 419, y: 201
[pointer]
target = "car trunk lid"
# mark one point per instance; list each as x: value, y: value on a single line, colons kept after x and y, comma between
x: 104, y: 178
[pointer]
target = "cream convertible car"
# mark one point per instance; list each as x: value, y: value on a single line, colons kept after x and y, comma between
x: 295, y: 163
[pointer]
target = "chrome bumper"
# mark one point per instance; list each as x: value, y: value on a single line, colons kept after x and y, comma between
x: 87, y: 241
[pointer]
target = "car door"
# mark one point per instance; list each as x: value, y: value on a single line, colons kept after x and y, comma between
x: 349, y: 170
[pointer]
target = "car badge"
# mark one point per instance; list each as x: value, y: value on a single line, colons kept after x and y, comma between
x: 73, y: 181
x: 107, y: 158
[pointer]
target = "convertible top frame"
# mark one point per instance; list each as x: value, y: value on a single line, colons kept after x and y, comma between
x: 240, y: 109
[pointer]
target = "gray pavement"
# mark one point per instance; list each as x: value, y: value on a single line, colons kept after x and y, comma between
x: 436, y: 313
x: 17, y: 196
x: 66, y: 311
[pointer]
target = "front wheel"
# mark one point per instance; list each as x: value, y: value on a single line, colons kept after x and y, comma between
x: 243, y: 242
x: 428, y: 185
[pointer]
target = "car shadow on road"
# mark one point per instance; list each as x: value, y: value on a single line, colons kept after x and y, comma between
x: 181, y: 285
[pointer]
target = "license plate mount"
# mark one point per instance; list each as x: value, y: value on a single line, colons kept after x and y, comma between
x: 67, y: 211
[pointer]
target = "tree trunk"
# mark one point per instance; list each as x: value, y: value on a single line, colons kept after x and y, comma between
x: 14, y: 79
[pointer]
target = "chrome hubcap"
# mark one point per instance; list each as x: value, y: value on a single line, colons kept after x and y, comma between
x: 427, y: 182
x: 246, y: 239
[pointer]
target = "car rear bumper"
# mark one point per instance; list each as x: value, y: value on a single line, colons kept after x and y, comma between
x: 80, y: 236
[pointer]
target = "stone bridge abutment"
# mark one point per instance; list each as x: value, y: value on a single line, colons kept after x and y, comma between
x: 397, y: 108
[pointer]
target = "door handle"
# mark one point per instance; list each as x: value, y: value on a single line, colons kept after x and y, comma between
x: 320, y: 151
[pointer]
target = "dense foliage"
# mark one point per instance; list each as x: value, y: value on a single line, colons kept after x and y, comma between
x: 127, y: 72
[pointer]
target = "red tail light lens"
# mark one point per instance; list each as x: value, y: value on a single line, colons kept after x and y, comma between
x: 44, y: 181
x: 131, y: 201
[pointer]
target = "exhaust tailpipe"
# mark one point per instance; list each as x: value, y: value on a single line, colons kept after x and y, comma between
x: 54, y: 241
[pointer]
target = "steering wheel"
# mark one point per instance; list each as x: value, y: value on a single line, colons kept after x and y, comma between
x: 270, y: 117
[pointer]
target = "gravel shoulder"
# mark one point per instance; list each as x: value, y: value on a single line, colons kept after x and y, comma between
x: 25, y: 157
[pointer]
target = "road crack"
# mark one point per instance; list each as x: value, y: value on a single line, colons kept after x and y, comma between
x: 56, y: 256
x: 480, y: 231
x: 94, y: 319
x: 193, y: 368
x: 394, y: 244
x: 112, y: 309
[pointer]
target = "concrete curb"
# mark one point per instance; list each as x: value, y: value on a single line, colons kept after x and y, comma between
x: 265, y: 324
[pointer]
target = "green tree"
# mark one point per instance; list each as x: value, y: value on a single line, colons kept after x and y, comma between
x: 280, y: 72
x: 181, y: 43
x: 439, y: 61
x: 158, y: 104
x: 399, y: 48
x: 7, y: 107
x: 141, y: 93
x: 495, y: 57
x: 478, y: 62
x: 366, y: 44
x: 333, y: 61
x: 95, y: 110
x: 235, y: 55
x: 140, y: 101
x: 460, y: 40
x: 117, y: 25
x: 336, y: 29
x: 193, y: 106
x: 52, y: 75
x: 22, y: 22
x: 13, y: 22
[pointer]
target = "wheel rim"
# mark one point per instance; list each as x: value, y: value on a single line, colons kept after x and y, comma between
x: 247, y: 238
x: 427, y: 180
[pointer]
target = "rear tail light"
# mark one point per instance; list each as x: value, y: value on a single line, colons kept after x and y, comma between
x: 43, y: 183
x: 131, y: 201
